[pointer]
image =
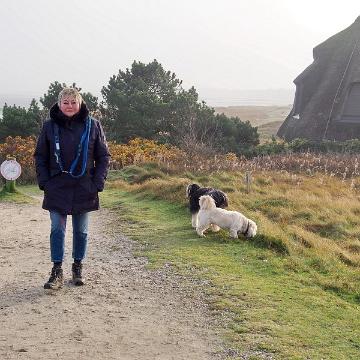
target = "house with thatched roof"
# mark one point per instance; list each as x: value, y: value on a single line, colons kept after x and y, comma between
x: 327, y: 98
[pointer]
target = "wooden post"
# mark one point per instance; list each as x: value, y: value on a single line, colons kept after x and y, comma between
x: 248, y: 181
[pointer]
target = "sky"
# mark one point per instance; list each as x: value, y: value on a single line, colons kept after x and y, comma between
x: 217, y: 45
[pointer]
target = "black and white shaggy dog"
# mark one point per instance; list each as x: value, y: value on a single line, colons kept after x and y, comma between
x: 194, y: 191
x: 236, y: 222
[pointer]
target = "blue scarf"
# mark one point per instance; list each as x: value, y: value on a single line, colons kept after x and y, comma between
x: 84, y: 144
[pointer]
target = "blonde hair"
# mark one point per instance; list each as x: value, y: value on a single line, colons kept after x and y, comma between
x: 70, y: 92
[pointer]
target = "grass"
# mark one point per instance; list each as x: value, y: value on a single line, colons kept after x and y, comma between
x: 257, y: 115
x: 31, y: 190
x: 18, y: 197
x: 293, y: 291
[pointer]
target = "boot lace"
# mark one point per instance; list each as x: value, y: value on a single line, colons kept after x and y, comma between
x: 55, y: 273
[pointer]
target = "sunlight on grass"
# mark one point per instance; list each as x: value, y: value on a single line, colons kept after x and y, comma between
x: 18, y: 197
x: 293, y: 291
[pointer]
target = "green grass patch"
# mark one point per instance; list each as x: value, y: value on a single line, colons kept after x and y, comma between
x: 305, y: 215
x: 134, y: 174
x: 271, y: 242
x: 284, y: 299
x: 275, y: 203
x: 328, y: 230
x: 17, y: 197
x: 31, y: 190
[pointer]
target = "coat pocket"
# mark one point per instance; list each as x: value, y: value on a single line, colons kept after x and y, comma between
x: 88, y: 186
x: 50, y: 183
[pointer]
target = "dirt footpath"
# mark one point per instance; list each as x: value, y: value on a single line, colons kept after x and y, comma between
x: 125, y: 311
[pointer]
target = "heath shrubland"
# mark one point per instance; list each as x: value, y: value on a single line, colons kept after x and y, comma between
x: 293, y: 290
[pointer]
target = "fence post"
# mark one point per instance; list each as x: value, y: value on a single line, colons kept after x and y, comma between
x: 248, y: 181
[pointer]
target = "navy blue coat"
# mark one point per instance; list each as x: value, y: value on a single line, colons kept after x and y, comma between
x: 63, y: 193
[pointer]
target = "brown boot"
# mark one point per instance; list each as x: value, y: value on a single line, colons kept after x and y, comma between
x: 77, y: 278
x: 56, y: 279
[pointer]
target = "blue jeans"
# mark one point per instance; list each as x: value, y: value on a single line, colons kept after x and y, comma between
x: 80, y: 224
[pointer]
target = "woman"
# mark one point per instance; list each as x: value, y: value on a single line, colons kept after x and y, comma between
x: 71, y: 159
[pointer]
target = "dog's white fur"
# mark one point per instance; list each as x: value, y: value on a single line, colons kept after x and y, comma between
x: 194, y: 219
x: 194, y: 223
x: 232, y: 220
x: 192, y: 193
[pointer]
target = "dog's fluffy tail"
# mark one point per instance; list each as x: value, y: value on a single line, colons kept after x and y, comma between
x: 206, y: 202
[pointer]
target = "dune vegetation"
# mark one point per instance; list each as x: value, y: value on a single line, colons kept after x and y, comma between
x: 18, y: 197
x: 291, y: 292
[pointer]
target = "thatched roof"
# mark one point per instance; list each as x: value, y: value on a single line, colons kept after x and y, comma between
x: 327, y: 99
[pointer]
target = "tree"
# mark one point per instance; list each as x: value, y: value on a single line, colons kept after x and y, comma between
x: 193, y: 127
x: 91, y: 101
x: 147, y: 101
x: 18, y: 121
x: 51, y: 97
x: 238, y: 136
x: 35, y: 116
x: 52, y: 94
x: 139, y: 101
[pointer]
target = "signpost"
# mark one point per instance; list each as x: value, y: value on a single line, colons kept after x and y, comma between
x: 10, y: 169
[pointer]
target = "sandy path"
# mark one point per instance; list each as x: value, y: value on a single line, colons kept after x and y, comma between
x: 124, y: 312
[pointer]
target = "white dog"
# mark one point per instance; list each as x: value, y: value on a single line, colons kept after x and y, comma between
x: 232, y: 220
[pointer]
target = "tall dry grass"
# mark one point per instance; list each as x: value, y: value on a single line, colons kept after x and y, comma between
x: 174, y: 160
x: 296, y: 213
x: 344, y: 166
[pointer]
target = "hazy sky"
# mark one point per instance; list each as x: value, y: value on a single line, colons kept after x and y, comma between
x: 223, y: 44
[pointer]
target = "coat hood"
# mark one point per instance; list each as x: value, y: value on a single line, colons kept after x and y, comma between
x: 62, y: 120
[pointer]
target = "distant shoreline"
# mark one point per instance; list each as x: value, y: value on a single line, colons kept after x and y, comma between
x: 212, y: 97
x: 267, y: 119
x: 257, y: 115
x: 261, y: 97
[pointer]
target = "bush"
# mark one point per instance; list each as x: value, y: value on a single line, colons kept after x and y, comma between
x: 138, y: 151
x: 22, y: 149
x: 272, y: 148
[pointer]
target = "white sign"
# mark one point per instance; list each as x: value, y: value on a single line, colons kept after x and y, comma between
x: 10, y: 169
